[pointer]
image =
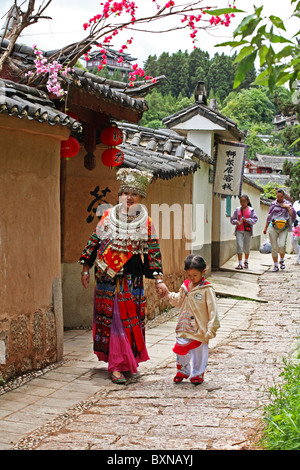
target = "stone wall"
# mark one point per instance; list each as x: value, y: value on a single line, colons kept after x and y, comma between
x: 29, y: 342
x: 31, y: 330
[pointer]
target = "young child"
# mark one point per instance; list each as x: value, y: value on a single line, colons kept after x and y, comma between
x: 197, y: 323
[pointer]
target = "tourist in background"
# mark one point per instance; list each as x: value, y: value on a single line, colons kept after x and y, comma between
x: 279, y: 223
x: 295, y: 238
x: 244, y: 217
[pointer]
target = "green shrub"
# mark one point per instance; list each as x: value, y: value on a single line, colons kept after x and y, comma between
x: 282, y: 415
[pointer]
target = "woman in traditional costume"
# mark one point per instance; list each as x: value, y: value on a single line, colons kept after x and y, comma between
x: 124, y: 248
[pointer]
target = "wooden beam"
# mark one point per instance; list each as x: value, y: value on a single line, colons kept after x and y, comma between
x: 85, y: 115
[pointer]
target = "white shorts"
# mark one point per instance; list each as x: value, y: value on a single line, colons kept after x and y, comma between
x: 243, y: 240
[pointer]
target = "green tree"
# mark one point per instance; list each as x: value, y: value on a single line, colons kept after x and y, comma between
x: 255, y: 143
x: 117, y: 75
x: 150, y: 66
x: 179, y: 74
x: 256, y: 37
x: 220, y: 76
x: 270, y: 189
x: 249, y: 106
x: 102, y: 73
x: 283, y: 99
x: 293, y: 170
x: 161, y: 106
x: 198, y: 67
x: 289, y: 138
x: 156, y: 111
x: 164, y: 67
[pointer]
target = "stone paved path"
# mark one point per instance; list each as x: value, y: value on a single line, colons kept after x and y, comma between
x: 224, y: 413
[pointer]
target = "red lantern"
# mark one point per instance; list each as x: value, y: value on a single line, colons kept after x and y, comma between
x: 69, y: 148
x: 112, y: 157
x: 112, y: 136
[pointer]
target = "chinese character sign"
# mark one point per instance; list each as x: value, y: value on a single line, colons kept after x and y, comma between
x: 229, y: 168
x: 102, y: 203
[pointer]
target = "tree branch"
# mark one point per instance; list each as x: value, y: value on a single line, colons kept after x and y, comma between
x: 21, y: 21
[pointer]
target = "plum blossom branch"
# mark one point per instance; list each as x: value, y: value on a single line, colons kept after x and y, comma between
x: 116, y: 16
x: 186, y: 11
x: 52, y: 69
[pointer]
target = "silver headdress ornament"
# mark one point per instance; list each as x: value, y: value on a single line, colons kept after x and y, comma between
x: 134, y: 180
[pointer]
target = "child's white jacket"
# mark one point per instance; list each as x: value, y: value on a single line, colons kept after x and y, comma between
x: 198, y: 312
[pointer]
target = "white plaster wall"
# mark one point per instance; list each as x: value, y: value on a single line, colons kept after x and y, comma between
x: 202, y: 207
x: 198, y: 124
x: 202, y: 139
x: 227, y: 229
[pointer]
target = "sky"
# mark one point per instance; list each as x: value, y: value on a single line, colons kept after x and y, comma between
x: 68, y: 16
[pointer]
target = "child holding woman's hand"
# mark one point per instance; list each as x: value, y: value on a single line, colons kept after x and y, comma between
x: 197, y: 323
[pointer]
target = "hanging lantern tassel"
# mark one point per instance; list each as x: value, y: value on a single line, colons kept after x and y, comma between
x: 112, y: 136
x: 112, y: 157
x: 69, y: 148
x: 90, y: 161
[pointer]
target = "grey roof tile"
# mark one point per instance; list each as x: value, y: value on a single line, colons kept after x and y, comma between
x: 119, y: 92
x: 23, y: 101
x: 161, y: 151
x: 209, y: 113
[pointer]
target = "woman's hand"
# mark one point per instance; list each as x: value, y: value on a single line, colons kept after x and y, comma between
x: 85, y: 279
x: 162, y: 289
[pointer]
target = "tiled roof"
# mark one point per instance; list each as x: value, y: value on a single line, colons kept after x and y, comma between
x: 253, y: 181
x: 161, y: 151
x: 262, y: 179
x: 118, y: 92
x: 101, y: 87
x: 207, y: 112
x: 30, y: 103
x: 274, y: 161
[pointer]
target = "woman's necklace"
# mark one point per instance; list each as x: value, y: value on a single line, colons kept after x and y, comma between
x: 124, y: 221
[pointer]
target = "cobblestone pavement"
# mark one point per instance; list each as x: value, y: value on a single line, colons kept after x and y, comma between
x: 224, y: 413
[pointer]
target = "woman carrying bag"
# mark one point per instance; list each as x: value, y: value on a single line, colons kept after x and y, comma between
x: 243, y: 218
x: 279, y: 222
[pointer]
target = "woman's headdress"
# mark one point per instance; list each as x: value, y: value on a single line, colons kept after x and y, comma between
x: 134, y: 180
